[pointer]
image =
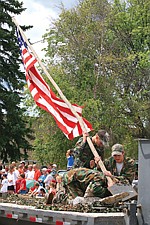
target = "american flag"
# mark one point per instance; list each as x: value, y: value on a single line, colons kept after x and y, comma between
x: 45, y: 98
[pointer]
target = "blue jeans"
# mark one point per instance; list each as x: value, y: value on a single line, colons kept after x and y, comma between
x: 23, y: 192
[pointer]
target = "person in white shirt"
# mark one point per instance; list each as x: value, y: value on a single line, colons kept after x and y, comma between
x: 11, y: 180
x: 16, y: 173
x: 4, y: 183
x: 48, y: 179
x: 30, y: 173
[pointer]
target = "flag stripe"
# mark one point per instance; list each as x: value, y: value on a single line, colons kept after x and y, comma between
x: 66, y: 114
x: 64, y: 111
x: 42, y: 87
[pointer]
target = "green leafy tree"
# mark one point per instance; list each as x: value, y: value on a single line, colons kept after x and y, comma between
x: 128, y: 34
x: 15, y: 132
x: 102, y: 48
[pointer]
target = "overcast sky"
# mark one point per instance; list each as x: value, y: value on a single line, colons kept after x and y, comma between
x: 40, y: 13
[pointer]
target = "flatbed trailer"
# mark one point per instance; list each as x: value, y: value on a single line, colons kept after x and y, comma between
x: 44, y: 217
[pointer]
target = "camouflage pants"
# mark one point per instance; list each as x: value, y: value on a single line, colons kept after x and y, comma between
x: 78, y: 181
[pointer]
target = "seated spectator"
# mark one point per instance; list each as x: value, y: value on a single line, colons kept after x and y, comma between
x: 52, y: 188
x: 37, y: 189
x: 54, y: 175
x: 51, y: 192
x: 59, y: 184
x: 42, y: 193
x: 54, y: 169
x: 43, y: 177
x: 48, y: 179
x: 31, y: 189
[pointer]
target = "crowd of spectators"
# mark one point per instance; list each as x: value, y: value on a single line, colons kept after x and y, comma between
x: 29, y: 179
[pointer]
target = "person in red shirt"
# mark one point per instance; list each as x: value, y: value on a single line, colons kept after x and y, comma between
x: 18, y: 182
x: 23, y: 188
x: 37, y: 173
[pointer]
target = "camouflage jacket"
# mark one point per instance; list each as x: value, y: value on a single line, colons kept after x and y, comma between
x: 83, y: 154
x: 127, y: 171
x: 76, y: 181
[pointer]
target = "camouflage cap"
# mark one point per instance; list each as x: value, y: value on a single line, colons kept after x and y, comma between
x: 117, y: 149
x: 104, y: 136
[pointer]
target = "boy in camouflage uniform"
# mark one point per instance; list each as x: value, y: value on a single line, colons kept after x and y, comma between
x: 119, y: 166
x: 85, y: 182
x: 82, y: 152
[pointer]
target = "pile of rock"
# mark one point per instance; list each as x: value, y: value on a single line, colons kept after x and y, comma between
x: 109, y: 204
